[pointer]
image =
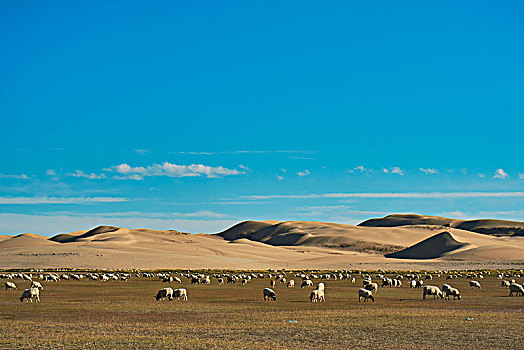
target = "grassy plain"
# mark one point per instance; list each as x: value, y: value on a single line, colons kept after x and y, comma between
x: 125, y: 315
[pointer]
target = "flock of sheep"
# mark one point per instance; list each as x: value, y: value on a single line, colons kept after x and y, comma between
x: 317, y: 295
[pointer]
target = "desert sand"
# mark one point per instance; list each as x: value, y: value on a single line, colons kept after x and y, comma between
x: 395, y: 242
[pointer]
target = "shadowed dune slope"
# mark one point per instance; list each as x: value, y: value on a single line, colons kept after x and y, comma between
x: 485, y: 226
x: 430, y: 248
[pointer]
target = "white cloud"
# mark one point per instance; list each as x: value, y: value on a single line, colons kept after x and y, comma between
x: 280, y: 178
x: 396, y: 170
x: 304, y: 173
x: 427, y: 195
x: 360, y: 169
x: 385, y: 170
x: 142, y: 151
x: 500, y: 174
x: 521, y: 176
x: 50, y: 172
x: 129, y: 177
x: 482, y: 176
x: 244, y: 167
x: 60, y: 200
x: 92, y: 176
x: 21, y: 176
x: 429, y: 171
x: 174, y: 170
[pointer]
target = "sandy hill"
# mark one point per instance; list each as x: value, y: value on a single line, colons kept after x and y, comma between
x: 430, y: 248
x: 273, y: 244
x: 25, y: 240
x: 492, y: 227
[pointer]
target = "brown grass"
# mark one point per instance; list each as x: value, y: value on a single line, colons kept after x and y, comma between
x: 124, y: 315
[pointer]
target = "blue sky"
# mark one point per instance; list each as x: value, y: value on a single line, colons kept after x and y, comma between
x: 197, y: 115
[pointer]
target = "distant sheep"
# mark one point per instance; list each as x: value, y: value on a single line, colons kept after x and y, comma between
x: 504, y: 284
x: 306, y: 284
x: 10, y: 285
x: 516, y: 288
x: 371, y: 286
x: 180, y: 293
x: 454, y: 292
x: 474, y: 284
x: 29, y: 294
x: 269, y: 294
x: 291, y: 284
x: 317, y: 295
x: 164, y: 293
x: 321, y: 286
x: 432, y: 290
x: 272, y: 283
x: 366, y: 294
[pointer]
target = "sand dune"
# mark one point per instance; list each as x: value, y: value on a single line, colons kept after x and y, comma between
x: 271, y: 244
x: 485, y: 226
x: 430, y: 248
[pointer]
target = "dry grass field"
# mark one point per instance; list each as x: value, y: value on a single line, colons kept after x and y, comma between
x: 125, y: 315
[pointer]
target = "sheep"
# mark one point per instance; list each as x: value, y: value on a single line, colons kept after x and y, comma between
x: 320, y: 286
x: 29, y: 294
x: 317, y: 295
x: 221, y: 281
x: 163, y: 293
x: 366, y: 294
x: 453, y: 292
x: 306, y: 284
x: 167, y: 279
x: 291, y: 284
x: 10, y: 285
x: 180, y: 293
x: 371, y: 287
x: 432, y: 290
x: 504, y: 284
x: 474, y: 284
x: 269, y: 294
x: 272, y: 283
x: 353, y: 280
x: 516, y: 288
x: 36, y: 284
x: 419, y: 283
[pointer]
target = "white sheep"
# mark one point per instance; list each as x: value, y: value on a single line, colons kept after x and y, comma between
x: 29, y: 294
x: 10, y: 285
x: 474, y: 284
x: 269, y: 294
x: 180, y: 293
x: 36, y: 284
x: 504, y: 284
x: 163, y: 293
x: 321, y: 286
x: 371, y: 286
x: 306, y: 284
x: 291, y: 283
x: 432, y: 290
x: 366, y: 294
x: 453, y: 292
x: 317, y: 295
x: 516, y: 288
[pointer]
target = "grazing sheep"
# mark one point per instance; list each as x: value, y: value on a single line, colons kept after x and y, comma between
x: 269, y: 294
x: 366, y: 294
x: 220, y: 281
x: 516, y: 288
x: 10, y: 285
x: 163, y: 293
x: 353, y: 280
x: 167, y: 279
x: 306, y: 284
x: 272, y: 283
x: 371, y: 287
x: 320, y: 286
x: 36, y: 284
x: 317, y: 295
x: 291, y: 284
x: 432, y: 290
x: 419, y: 283
x: 504, y: 284
x: 474, y: 284
x: 180, y: 293
x: 453, y: 292
x: 29, y: 294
